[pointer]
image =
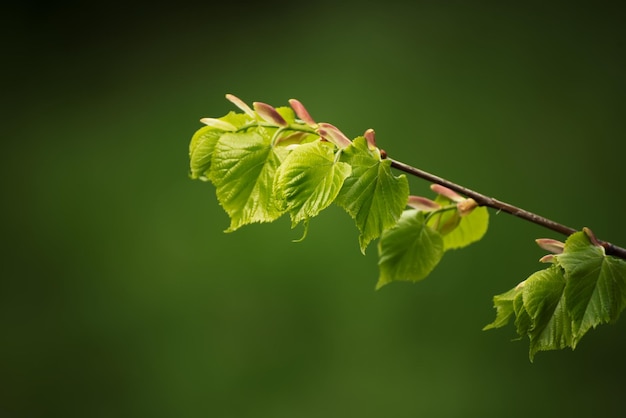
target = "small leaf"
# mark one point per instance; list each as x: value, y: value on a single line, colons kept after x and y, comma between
x: 444, y: 221
x: 201, y: 151
x: 242, y: 170
x: 409, y: 251
x: 371, y: 195
x: 204, y: 139
x: 544, y: 302
x: 470, y: 229
x: 459, y: 231
x: 503, y: 303
x: 309, y: 180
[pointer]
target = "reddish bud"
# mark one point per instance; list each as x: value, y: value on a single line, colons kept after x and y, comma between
x: 551, y: 245
x: 218, y: 124
x: 592, y: 237
x: 466, y: 206
x: 301, y: 112
x: 333, y: 134
x: 423, y: 204
x: 547, y: 258
x: 370, y: 137
x: 241, y: 105
x: 269, y: 113
x: 449, y: 193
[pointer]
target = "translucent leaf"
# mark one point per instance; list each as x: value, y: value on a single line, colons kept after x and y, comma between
x: 409, y: 251
x: 470, y: 229
x: 287, y: 114
x: 459, y: 231
x: 242, y: 169
x: 372, y: 195
x: 309, y: 180
x: 596, y: 289
x: 446, y: 220
x: 203, y: 143
x: 201, y: 151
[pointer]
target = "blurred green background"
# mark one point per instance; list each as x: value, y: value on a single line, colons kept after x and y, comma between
x: 122, y: 296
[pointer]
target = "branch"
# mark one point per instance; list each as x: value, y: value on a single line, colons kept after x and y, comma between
x: 490, y: 202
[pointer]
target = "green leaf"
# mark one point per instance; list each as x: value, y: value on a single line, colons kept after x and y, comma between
x: 596, y: 289
x: 458, y: 231
x: 201, y: 151
x: 545, y: 304
x: 581, y: 290
x: 523, y: 321
x: 470, y: 229
x: 444, y: 220
x: 503, y: 303
x: 203, y: 143
x: 409, y: 251
x: 243, y: 169
x: 287, y: 114
x: 308, y: 180
x: 371, y: 195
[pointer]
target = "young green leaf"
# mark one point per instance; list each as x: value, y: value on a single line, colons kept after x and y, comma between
x: 409, y: 251
x: 309, y: 180
x: 371, y: 195
x: 458, y: 230
x: 204, y: 139
x: 504, y: 308
x: 446, y: 220
x: 471, y: 228
x: 545, y: 304
x: 201, y: 151
x: 582, y: 289
x: 242, y: 169
x: 596, y: 288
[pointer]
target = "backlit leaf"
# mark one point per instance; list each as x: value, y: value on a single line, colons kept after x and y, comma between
x: 372, y: 195
x: 201, y: 151
x: 308, y: 180
x: 203, y: 143
x: 459, y: 231
x: 242, y: 169
x: 409, y: 251
x: 470, y: 229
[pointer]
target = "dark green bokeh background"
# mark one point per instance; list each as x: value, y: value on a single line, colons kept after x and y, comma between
x: 122, y: 296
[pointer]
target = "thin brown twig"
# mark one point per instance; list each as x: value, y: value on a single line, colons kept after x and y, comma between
x: 490, y: 202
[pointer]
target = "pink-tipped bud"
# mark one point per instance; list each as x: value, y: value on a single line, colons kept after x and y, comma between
x: 370, y: 137
x: 301, y: 112
x: 449, y: 193
x: 218, y: 124
x: 551, y: 245
x: 466, y: 206
x: 592, y: 237
x: 269, y: 113
x: 240, y: 104
x: 547, y: 258
x: 423, y: 204
x: 333, y: 134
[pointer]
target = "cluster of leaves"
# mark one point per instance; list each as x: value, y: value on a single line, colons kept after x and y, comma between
x: 267, y: 162
x: 555, y: 307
